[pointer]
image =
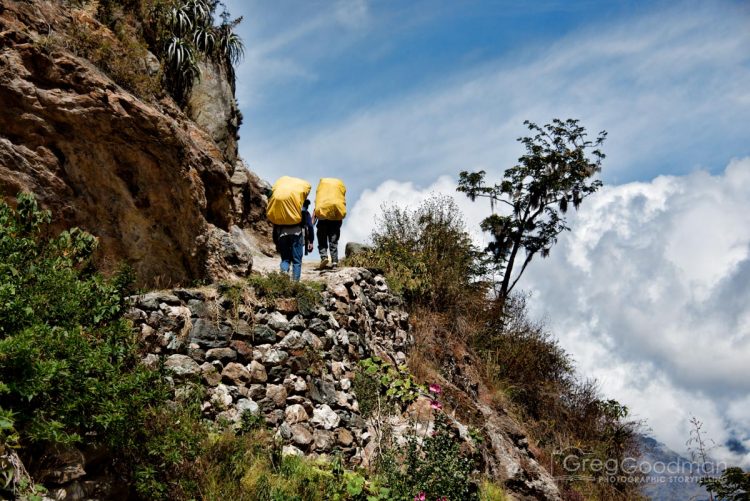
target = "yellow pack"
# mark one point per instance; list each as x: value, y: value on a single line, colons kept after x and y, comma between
x: 330, y: 199
x: 287, y: 196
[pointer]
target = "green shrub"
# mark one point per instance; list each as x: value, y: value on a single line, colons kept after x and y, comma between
x: 69, y: 366
x: 432, y: 465
x: 377, y: 383
x: 426, y: 254
x: 278, y: 285
x: 524, y: 357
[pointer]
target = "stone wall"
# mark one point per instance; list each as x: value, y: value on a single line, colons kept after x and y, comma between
x: 289, y: 363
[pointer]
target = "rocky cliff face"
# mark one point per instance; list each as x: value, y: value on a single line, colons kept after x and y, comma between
x: 152, y: 184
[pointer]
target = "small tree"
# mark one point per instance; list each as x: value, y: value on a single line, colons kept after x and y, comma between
x: 554, y: 174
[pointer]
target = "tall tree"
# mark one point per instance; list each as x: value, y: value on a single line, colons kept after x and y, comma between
x: 554, y: 174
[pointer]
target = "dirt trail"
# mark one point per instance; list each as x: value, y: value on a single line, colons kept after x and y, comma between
x: 310, y: 271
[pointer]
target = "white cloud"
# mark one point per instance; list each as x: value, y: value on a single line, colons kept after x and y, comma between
x: 650, y: 293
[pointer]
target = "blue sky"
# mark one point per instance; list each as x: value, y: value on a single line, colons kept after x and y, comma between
x: 396, y: 97
x: 316, y: 71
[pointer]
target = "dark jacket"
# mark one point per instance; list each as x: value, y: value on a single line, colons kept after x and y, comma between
x: 309, y: 229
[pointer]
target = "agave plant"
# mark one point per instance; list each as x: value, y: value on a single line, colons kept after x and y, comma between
x: 189, y: 31
x: 204, y: 38
x: 230, y: 44
x: 179, y: 54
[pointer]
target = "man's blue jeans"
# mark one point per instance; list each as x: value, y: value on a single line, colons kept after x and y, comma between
x: 292, y: 248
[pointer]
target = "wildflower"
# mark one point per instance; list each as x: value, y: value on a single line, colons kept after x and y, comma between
x: 436, y: 405
x: 420, y: 496
x: 435, y: 388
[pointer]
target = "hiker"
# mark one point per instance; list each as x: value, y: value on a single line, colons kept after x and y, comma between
x: 330, y: 210
x: 292, y: 230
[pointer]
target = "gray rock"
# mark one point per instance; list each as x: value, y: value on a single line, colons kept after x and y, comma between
x: 221, y: 397
x: 263, y: 334
x: 224, y: 355
x: 152, y: 300
x: 322, y: 392
x: 256, y: 391
x: 182, y: 365
x: 246, y: 405
x: 197, y: 308
x: 290, y: 450
x: 312, y: 340
x: 274, y: 417
x: 278, y: 321
x: 323, y: 440
x: 292, y: 341
x: 279, y: 373
x: 301, y: 434
x: 207, y: 334
x: 318, y: 326
x: 274, y: 357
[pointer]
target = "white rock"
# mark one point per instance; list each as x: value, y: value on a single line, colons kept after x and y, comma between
x: 326, y: 417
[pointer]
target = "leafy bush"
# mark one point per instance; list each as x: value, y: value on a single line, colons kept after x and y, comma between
x: 68, y: 363
x: 431, y: 467
x: 426, y: 254
x: 377, y: 382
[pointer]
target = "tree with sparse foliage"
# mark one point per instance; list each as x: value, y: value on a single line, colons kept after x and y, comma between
x: 555, y: 173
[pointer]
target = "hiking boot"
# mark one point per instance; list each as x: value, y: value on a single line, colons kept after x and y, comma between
x: 334, y: 265
x: 323, y: 262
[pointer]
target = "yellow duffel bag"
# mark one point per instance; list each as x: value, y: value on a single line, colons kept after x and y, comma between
x: 287, y: 196
x: 330, y: 199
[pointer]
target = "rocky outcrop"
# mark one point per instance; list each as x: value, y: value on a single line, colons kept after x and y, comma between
x: 211, y: 104
x: 151, y: 184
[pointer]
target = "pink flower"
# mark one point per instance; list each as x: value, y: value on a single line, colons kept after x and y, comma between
x: 419, y: 497
x: 436, y: 405
x: 435, y: 388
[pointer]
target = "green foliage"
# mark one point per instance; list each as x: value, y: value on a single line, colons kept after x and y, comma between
x: 277, y: 285
x: 68, y: 364
x: 376, y: 378
x: 186, y: 30
x: 122, y: 54
x: 251, y: 467
x: 426, y: 254
x: 732, y: 485
x: 490, y: 491
x: 433, y: 465
x: 525, y: 358
x: 180, y: 33
x: 552, y: 175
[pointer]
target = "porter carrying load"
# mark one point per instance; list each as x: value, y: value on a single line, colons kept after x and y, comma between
x: 330, y: 199
x: 287, y: 196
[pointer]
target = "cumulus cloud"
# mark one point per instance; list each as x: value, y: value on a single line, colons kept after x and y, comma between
x: 650, y: 293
